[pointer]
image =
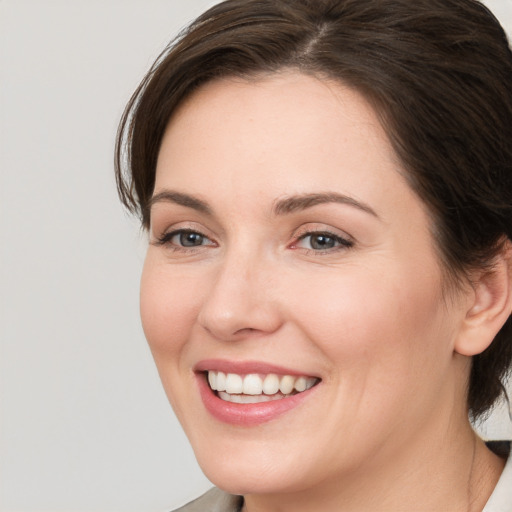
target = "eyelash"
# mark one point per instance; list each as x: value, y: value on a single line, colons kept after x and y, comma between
x: 343, y: 243
x: 165, y: 240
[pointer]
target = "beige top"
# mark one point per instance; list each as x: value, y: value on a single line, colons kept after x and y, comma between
x: 216, y: 500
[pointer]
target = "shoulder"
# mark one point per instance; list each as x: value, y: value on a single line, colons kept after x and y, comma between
x: 214, y: 500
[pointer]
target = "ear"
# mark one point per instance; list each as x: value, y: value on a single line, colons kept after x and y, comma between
x: 489, y: 305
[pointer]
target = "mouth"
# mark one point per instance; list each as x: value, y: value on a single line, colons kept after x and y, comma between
x: 256, y: 388
x: 250, y: 393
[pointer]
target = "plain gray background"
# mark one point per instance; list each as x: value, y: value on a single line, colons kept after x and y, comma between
x: 84, y: 423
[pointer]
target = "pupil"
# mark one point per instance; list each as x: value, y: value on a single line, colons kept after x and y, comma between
x: 322, y: 242
x: 191, y: 239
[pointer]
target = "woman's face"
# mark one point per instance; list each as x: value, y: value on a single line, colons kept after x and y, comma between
x: 286, y: 245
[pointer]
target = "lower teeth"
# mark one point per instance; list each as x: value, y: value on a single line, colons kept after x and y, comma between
x: 250, y: 399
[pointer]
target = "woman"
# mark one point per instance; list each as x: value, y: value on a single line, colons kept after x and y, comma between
x: 327, y: 189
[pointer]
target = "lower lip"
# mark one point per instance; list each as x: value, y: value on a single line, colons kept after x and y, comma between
x: 247, y: 414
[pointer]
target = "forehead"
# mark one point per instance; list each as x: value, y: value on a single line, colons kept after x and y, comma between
x: 275, y: 102
x: 287, y: 125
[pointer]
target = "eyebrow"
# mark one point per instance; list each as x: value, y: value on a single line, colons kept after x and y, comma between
x: 304, y: 201
x: 170, y: 196
x: 283, y: 206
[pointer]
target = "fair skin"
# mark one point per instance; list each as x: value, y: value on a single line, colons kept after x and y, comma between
x: 344, y: 288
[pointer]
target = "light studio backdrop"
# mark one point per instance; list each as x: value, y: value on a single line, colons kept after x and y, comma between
x: 84, y: 423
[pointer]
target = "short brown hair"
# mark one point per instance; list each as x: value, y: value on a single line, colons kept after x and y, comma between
x: 439, y: 75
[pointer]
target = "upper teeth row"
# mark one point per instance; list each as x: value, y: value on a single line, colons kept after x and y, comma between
x: 253, y: 384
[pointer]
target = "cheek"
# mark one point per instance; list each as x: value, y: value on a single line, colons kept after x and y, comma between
x: 386, y: 341
x: 365, y: 320
x: 168, y: 307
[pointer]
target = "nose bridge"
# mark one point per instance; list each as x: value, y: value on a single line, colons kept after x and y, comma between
x: 240, y: 297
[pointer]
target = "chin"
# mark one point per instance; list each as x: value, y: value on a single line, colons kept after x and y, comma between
x: 241, y: 479
x: 256, y: 469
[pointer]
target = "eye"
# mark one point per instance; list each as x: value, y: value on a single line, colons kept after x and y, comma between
x: 184, y: 239
x: 322, y: 241
x: 188, y: 239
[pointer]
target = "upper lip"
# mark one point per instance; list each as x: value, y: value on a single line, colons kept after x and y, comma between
x: 247, y: 367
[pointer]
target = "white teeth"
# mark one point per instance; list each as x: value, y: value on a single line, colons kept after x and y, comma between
x: 252, y: 385
x: 234, y: 383
x: 241, y: 388
x: 300, y: 384
x: 212, y: 380
x: 286, y: 384
x: 271, y: 384
x: 221, y: 381
x: 248, y: 399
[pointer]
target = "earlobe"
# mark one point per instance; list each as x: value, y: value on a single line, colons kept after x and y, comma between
x: 490, y: 307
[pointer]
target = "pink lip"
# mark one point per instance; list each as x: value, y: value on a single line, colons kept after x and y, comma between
x: 245, y: 367
x: 245, y: 414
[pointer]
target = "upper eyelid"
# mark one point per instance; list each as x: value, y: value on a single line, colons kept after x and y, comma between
x: 328, y: 231
x: 302, y: 231
x: 177, y: 231
x: 312, y: 228
x: 343, y: 241
x: 167, y: 216
x: 168, y: 227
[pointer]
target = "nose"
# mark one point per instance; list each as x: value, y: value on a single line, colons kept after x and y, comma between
x: 241, y: 299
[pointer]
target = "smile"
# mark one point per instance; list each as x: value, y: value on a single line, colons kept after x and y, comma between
x: 249, y: 393
x: 256, y: 388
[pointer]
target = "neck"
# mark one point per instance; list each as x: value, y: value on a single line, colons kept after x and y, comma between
x: 454, y: 471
